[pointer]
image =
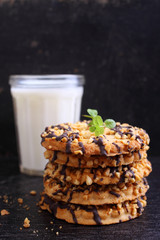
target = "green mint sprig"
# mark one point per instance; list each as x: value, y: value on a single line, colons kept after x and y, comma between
x: 97, y: 125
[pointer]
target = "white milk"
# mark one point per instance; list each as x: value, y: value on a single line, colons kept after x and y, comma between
x: 37, y: 108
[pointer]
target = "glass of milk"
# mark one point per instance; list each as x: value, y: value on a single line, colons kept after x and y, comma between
x: 41, y: 101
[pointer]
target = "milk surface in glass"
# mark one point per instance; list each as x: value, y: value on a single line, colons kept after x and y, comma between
x: 38, y: 105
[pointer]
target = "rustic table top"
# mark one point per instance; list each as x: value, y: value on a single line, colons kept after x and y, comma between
x: 14, y: 185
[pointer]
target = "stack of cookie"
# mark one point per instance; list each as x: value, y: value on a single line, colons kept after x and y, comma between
x: 95, y: 180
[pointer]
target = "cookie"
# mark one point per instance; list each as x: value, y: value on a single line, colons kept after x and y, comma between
x: 94, y: 215
x: 94, y: 194
x: 102, y: 176
x: 95, y: 161
x: 77, y: 139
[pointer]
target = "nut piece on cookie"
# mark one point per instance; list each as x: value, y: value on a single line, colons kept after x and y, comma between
x: 88, y: 180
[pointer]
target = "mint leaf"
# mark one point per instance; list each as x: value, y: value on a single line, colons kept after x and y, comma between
x: 92, y: 128
x: 96, y: 124
x: 87, y: 116
x: 97, y: 121
x: 99, y: 131
x: 110, y: 123
x: 90, y: 123
x: 92, y: 112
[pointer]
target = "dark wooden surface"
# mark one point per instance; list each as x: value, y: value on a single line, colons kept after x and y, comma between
x: 16, y: 185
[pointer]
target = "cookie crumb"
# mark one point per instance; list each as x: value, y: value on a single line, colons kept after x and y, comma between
x: 33, y: 192
x: 26, y: 223
x: 4, y: 212
x: 5, y: 198
x: 20, y: 200
x: 26, y: 207
x: 57, y: 233
x: 20, y: 228
x: 60, y: 227
x: 51, y: 222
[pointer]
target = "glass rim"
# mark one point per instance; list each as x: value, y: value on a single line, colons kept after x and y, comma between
x: 46, y: 80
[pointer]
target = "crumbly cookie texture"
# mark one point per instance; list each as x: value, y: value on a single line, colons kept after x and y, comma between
x: 94, y: 194
x: 94, y: 215
x: 95, y: 161
x: 77, y: 139
x: 102, y: 176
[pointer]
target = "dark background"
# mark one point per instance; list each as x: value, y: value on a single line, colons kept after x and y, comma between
x: 115, y: 44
